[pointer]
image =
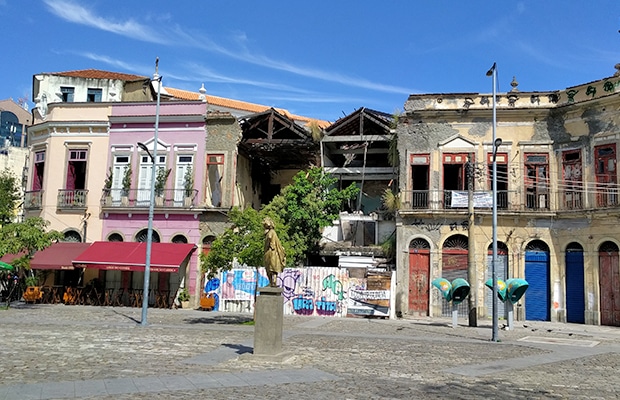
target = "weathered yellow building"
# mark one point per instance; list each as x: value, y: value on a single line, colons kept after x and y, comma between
x: 558, y: 212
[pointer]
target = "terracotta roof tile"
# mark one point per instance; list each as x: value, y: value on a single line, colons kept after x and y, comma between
x: 239, y: 105
x: 99, y: 74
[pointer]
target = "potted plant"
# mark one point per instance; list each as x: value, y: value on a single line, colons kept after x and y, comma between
x: 126, y: 186
x: 160, y: 184
x: 188, y: 186
x: 107, y: 188
x: 184, y: 298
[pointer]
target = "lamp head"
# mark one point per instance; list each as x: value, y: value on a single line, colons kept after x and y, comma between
x: 490, y: 72
x: 142, y: 146
x: 498, y: 142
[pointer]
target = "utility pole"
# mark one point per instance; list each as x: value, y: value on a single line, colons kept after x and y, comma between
x: 472, y: 276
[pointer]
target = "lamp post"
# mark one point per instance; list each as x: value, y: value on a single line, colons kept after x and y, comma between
x: 496, y: 143
x: 149, y: 236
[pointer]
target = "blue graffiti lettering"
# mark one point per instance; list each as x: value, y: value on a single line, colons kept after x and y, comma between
x: 303, y: 306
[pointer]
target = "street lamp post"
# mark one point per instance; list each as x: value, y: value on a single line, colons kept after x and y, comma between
x: 149, y: 236
x: 496, y: 143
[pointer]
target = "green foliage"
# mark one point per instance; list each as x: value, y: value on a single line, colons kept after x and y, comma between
x: 9, y: 196
x: 188, y: 182
x: 184, y: 295
x: 390, y: 200
x: 107, y: 184
x: 300, y: 213
x: 32, y: 281
x: 389, y: 246
x: 160, y: 180
x: 126, y: 181
x: 27, y: 237
x: 243, y: 240
x: 308, y: 205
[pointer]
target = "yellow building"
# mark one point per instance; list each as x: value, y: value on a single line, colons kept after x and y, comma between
x: 558, y: 211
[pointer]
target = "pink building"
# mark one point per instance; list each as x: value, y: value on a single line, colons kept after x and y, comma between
x: 125, y: 199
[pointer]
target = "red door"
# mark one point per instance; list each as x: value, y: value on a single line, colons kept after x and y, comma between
x: 609, y: 280
x: 419, y: 270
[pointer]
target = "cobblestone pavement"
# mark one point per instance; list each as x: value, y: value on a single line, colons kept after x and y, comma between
x: 57, y: 351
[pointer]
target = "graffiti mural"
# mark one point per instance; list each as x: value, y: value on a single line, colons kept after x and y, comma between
x: 316, y: 291
x: 235, y: 290
x: 319, y: 291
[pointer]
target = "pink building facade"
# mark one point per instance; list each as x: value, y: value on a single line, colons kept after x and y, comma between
x: 179, y: 169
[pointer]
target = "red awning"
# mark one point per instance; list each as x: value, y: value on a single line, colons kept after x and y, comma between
x: 8, y: 258
x: 58, y: 256
x: 131, y: 256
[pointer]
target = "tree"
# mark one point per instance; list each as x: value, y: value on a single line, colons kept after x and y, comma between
x: 300, y: 212
x: 308, y: 205
x: 9, y: 196
x: 26, y: 237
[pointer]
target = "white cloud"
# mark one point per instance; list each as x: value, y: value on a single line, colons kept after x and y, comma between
x: 75, y: 13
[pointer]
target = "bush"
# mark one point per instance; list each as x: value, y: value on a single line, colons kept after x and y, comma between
x: 184, y: 295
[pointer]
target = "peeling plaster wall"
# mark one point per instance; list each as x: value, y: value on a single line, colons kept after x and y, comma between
x: 528, y: 122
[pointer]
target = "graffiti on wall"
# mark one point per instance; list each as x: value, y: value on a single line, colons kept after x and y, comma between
x: 318, y: 291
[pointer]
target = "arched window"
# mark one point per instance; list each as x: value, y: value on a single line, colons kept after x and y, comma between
x: 142, y: 236
x: 72, y: 236
x: 115, y: 237
x: 179, y: 239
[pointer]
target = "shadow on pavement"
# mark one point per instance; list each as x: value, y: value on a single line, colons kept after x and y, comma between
x: 220, y: 319
x: 127, y: 316
x: 241, y: 349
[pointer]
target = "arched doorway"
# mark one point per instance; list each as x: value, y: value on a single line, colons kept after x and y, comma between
x: 419, y: 271
x: 575, y: 293
x: 537, y: 297
x: 454, y: 265
x: 609, y: 282
x: 501, y: 272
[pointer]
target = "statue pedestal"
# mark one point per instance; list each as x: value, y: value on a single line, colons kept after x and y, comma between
x: 269, y: 310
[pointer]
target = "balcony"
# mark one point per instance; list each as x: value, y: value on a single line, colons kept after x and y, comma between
x: 33, y: 200
x: 530, y: 200
x: 72, y: 199
x: 141, y: 199
x: 458, y: 200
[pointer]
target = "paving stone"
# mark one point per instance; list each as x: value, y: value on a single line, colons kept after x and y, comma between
x: 104, y: 352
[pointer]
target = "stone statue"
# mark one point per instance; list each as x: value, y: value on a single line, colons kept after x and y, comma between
x: 274, y: 258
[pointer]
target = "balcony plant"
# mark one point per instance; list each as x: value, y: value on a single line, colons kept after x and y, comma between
x: 126, y: 186
x: 188, y: 186
x: 107, y: 188
x: 160, y: 184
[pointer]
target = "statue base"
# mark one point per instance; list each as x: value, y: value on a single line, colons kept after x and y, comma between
x: 269, y: 310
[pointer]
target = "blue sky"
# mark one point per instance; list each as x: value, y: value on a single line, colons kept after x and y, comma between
x: 322, y: 59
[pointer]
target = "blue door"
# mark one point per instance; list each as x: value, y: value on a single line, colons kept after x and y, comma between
x: 537, y: 302
x: 575, y: 295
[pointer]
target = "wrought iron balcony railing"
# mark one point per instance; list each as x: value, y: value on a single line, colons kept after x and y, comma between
x: 71, y: 198
x: 33, y: 200
x: 528, y: 200
x: 141, y: 198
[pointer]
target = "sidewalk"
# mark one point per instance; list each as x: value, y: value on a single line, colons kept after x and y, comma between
x: 60, y: 352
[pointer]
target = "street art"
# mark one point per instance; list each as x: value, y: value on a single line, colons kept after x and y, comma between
x: 317, y: 291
